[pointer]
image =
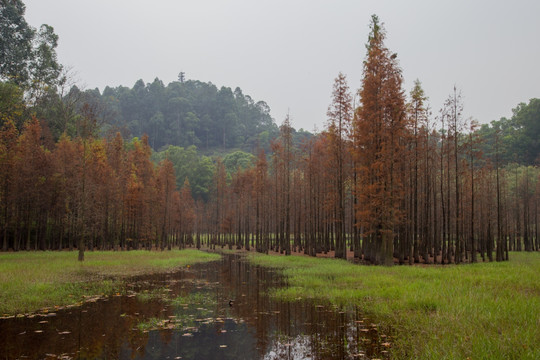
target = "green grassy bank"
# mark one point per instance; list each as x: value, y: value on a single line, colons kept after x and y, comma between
x: 476, y: 311
x: 30, y: 281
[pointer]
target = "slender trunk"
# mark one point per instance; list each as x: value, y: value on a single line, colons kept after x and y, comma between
x: 473, y: 241
x: 82, y: 235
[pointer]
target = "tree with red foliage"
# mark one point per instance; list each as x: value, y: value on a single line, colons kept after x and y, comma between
x: 339, y: 117
x: 379, y: 129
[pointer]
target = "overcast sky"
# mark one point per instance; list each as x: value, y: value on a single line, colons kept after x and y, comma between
x: 288, y: 52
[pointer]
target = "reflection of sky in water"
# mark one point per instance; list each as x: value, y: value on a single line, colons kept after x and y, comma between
x: 209, y: 342
x: 235, y: 339
x: 297, y: 348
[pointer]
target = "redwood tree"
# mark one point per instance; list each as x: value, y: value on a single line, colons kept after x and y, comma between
x: 340, y: 117
x: 380, y: 127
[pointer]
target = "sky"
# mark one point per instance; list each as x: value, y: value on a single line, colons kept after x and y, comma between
x: 288, y: 52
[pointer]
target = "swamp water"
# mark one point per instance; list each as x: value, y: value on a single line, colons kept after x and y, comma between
x: 218, y: 310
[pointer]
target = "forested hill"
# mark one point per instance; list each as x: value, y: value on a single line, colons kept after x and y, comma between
x: 185, y: 113
x: 516, y: 139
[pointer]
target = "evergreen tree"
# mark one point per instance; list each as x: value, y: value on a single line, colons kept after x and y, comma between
x: 380, y: 128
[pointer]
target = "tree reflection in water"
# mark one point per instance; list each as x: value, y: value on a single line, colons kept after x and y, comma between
x: 192, y: 318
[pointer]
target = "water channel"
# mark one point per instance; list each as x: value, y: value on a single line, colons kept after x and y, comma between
x: 218, y: 310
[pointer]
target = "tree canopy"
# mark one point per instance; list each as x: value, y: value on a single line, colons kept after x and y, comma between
x: 27, y: 56
x: 519, y: 135
x: 189, y: 113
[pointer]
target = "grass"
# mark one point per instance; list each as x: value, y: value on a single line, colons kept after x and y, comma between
x: 477, y: 311
x: 152, y: 294
x: 196, y: 299
x: 152, y: 324
x: 30, y: 281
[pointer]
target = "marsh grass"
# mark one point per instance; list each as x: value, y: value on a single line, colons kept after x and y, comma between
x: 30, y: 281
x: 477, y: 311
x: 191, y: 310
x: 151, y: 324
x: 152, y: 294
x: 194, y: 299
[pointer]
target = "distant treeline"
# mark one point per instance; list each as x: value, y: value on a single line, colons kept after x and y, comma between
x: 519, y: 136
x: 189, y: 113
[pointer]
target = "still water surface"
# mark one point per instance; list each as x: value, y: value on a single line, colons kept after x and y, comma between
x: 219, y: 310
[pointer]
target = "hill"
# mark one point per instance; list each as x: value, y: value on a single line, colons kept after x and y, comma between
x: 186, y: 113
